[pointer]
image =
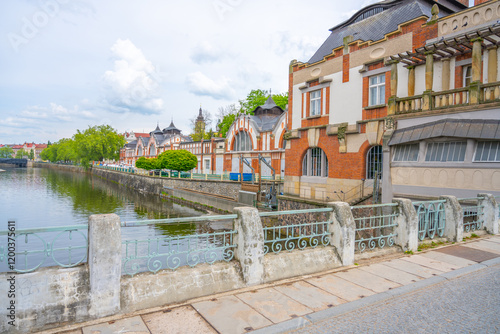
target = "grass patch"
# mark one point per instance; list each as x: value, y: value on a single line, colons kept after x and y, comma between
x: 431, y: 245
x: 409, y: 252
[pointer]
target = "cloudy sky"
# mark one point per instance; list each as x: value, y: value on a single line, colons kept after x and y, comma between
x: 69, y: 64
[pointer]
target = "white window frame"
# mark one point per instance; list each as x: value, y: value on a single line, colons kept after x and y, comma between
x: 492, y: 154
x: 406, y: 153
x: 315, y: 102
x: 453, y: 151
x: 466, y: 77
x: 376, y: 90
x: 206, y: 164
x: 243, y: 142
x: 315, y: 163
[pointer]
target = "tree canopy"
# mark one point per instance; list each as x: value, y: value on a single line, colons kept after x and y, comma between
x: 179, y: 160
x: 95, y: 143
x: 257, y: 97
x: 6, y: 152
x: 21, y: 153
x: 147, y: 164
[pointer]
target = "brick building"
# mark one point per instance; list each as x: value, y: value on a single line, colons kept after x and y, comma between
x: 343, y: 102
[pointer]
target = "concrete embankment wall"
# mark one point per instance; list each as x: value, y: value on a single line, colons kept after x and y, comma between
x: 196, y: 191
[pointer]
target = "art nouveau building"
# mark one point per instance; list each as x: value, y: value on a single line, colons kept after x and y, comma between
x: 384, y: 71
x: 259, y: 134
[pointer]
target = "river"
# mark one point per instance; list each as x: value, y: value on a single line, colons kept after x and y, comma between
x: 42, y: 197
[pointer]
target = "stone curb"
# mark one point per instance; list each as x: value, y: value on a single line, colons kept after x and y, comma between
x: 303, y: 321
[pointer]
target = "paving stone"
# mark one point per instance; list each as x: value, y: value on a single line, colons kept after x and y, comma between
x: 468, y: 253
x: 231, y: 315
x: 391, y: 274
x: 431, y: 263
x: 127, y: 325
x: 413, y: 268
x: 454, y: 260
x: 367, y: 280
x: 178, y: 320
x: 340, y: 287
x: 494, y: 239
x: 274, y: 305
x: 75, y: 331
x: 306, y: 294
x: 484, y: 245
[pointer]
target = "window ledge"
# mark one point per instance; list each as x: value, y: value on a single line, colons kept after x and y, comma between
x: 314, y: 116
x: 375, y: 107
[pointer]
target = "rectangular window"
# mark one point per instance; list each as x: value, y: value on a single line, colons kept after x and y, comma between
x: 207, y: 164
x: 315, y: 103
x: 406, y: 152
x: 377, y: 90
x: 487, y: 151
x: 444, y: 152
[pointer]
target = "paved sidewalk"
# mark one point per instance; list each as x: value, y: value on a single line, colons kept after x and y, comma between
x: 309, y: 300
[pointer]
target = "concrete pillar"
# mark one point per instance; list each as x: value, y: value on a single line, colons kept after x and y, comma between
x: 454, y: 224
x: 407, y: 229
x: 476, y: 59
x: 250, y: 244
x: 394, y: 78
x: 490, y: 212
x: 411, y: 80
x: 105, y: 264
x: 446, y: 74
x: 492, y: 64
x: 343, y: 231
x: 429, y: 70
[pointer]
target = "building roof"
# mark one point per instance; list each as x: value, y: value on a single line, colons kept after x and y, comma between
x: 171, y: 129
x: 459, y: 128
x: 373, y: 22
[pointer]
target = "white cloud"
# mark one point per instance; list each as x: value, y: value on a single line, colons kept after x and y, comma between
x: 206, y: 53
x: 133, y: 85
x: 200, y: 84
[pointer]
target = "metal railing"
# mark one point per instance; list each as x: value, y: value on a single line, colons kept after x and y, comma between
x: 280, y: 235
x: 171, y: 252
x: 375, y: 225
x: 431, y: 218
x: 64, y: 246
x: 473, y: 213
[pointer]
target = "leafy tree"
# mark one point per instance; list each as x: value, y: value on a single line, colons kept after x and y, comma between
x: 258, y: 97
x: 50, y: 153
x: 179, y: 160
x: 31, y: 155
x: 147, y: 164
x: 225, y: 124
x: 66, y: 150
x: 6, y: 152
x: 200, y: 130
x: 97, y: 143
x: 21, y: 153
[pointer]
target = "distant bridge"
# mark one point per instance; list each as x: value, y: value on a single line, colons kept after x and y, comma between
x: 13, y: 162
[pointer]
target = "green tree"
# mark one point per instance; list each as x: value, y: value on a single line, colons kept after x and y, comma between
x: 50, y: 153
x: 21, y: 153
x: 66, y: 150
x: 258, y: 97
x: 31, y: 155
x: 147, y: 164
x: 179, y: 160
x: 97, y: 143
x: 6, y: 152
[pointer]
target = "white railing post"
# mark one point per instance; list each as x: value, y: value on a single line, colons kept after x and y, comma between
x: 454, y: 224
x: 490, y: 212
x: 342, y: 231
x: 407, y: 229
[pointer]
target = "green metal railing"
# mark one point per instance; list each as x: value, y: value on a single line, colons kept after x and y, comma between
x: 473, y: 213
x: 64, y: 246
x: 281, y: 235
x: 375, y: 225
x: 431, y: 219
x: 171, y: 252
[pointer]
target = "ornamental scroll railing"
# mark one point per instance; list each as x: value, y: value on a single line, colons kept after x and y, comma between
x: 296, y: 229
x: 431, y: 219
x: 375, y: 225
x: 171, y: 252
x: 64, y: 246
x: 473, y: 214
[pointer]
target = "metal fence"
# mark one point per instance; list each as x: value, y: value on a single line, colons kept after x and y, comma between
x: 282, y: 234
x: 25, y: 250
x: 171, y: 252
x: 431, y: 219
x: 375, y: 225
x: 473, y: 213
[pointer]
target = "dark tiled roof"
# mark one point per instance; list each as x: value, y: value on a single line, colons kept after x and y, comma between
x: 456, y: 128
x: 377, y: 26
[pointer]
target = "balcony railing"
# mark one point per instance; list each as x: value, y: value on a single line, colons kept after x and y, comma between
x: 488, y: 93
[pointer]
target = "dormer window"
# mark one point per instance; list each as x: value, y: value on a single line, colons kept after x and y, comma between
x: 368, y: 13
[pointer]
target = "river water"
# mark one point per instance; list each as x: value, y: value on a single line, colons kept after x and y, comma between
x: 42, y: 197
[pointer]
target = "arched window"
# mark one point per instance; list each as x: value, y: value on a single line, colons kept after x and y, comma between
x: 139, y: 151
x: 315, y: 163
x: 374, y: 162
x: 242, y: 142
x: 152, y: 150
